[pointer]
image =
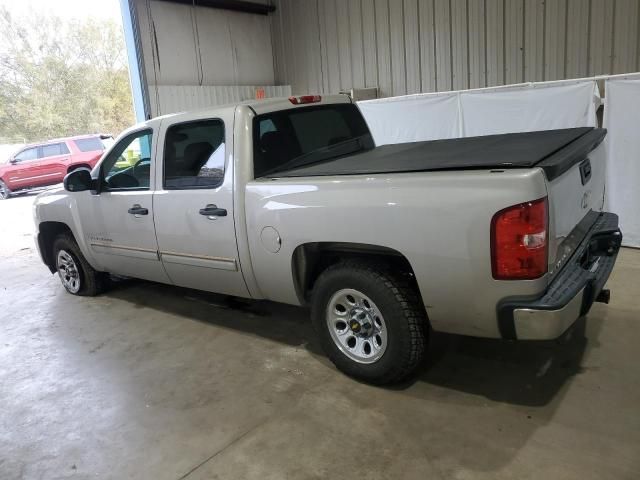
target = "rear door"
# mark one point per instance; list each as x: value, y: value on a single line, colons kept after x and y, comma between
x: 193, y: 206
x: 55, y: 158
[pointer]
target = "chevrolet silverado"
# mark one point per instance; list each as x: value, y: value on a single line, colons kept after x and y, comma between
x: 500, y: 236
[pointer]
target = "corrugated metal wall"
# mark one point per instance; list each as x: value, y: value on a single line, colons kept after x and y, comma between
x: 190, y: 45
x: 178, y: 98
x: 195, y: 57
x: 411, y: 46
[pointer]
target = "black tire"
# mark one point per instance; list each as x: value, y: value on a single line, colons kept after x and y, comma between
x: 5, y: 193
x: 398, y: 301
x: 92, y: 282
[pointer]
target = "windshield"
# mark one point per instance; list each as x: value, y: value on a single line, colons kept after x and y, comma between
x: 301, y: 136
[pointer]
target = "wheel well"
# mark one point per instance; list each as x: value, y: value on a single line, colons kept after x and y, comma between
x: 48, y: 231
x: 76, y: 167
x: 311, y: 259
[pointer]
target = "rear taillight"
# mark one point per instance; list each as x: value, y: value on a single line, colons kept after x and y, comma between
x: 305, y: 99
x: 519, y: 241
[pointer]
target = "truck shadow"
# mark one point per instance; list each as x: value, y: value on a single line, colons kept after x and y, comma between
x: 274, y: 321
x: 518, y: 373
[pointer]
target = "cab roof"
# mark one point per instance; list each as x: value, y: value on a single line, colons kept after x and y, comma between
x: 258, y: 106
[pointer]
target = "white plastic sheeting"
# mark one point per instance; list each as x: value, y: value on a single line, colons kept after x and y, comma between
x: 413, y: 118
x: 516, y: 108
x: 622, y: 104
x: 529, y: 108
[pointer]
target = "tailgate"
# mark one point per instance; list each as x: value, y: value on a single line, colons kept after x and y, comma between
x: 575, y: 176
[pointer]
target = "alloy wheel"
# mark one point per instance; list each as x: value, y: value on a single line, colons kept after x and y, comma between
x: 68, y: 271
x: 356, y: 326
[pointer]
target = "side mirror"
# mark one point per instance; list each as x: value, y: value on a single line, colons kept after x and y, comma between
x: 13, y: 161
x: 78, y: 181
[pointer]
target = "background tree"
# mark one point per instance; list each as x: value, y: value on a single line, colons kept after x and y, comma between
x: 61, y: 77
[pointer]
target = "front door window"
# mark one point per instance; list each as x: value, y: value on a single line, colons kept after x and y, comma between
x: 128, y: 165
x: 27, y: 155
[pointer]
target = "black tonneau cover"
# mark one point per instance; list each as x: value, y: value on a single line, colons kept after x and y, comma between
x: 555, y: 151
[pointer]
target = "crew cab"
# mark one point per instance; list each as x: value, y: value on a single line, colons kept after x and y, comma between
x: 43, y: 164
x: 289, y: 200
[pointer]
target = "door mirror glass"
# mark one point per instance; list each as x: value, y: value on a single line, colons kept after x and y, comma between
x: 78, y: 181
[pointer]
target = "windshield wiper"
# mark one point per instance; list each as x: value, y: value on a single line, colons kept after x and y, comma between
x: 321, y: 154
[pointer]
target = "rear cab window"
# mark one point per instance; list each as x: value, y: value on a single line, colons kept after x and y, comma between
x: 290, y: 138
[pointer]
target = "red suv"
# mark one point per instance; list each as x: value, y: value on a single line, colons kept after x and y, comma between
x: 43, y: 164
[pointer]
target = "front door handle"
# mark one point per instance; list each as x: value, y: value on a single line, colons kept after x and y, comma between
x: 138, y: 210
x: 212, y: 210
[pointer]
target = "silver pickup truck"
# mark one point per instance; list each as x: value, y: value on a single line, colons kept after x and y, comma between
x: 290, y: 200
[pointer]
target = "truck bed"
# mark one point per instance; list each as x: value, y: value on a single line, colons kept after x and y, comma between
x: 555, y: 151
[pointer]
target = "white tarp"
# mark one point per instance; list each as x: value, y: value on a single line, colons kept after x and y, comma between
x: 621, y: 115
x: 412, y: 118
x: 517, y: 108
x: 530, y: 108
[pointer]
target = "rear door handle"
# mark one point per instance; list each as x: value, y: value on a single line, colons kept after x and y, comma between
x: 138, y: 210
x: 212, y: 210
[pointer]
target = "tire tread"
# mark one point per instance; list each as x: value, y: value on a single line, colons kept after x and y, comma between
x: 407, y: 297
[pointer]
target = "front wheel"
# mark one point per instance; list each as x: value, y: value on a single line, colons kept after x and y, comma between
x: 371, y: 322
x: 4, y: 191
x: 76, y: 275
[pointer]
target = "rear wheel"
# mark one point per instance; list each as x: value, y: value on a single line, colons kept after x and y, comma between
x: 4, y: 191
x: 371, y: 322
x: 76, y: 275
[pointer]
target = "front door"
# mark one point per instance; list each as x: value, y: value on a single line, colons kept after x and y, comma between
x: 193, y: 208
x: 119, y: 221
x: 27, y: 171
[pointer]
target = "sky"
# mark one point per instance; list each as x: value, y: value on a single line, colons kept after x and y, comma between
x: 106, y: 9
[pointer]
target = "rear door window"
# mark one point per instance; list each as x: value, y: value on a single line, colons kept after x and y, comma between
x: 53, y: 149
x: 194, y: 155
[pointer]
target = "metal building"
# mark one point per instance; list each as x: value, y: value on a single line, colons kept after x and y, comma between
x: 398, y: 46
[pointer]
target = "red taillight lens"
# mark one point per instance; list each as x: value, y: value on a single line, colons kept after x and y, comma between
x: 305, y: 99
x: 519, y: 241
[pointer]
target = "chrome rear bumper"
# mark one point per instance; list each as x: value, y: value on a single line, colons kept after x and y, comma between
x: 571, y: 293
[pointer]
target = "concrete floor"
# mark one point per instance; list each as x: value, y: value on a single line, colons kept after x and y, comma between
x: 153, y: 382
